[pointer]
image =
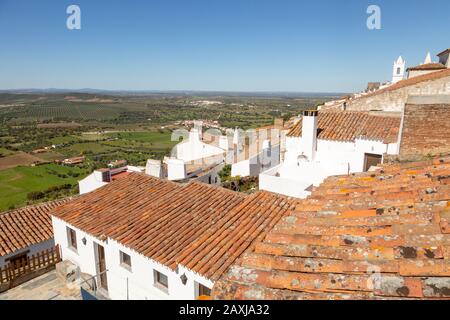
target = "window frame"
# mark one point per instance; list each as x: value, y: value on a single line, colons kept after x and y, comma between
x: 157, y: 281
x: 200, y: 287
x: 72, y: 240
x: 123, y: 262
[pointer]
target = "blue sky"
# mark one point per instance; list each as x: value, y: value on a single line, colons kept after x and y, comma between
x: 229, y: 45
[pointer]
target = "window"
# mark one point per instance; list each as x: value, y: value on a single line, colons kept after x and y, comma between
x: 398, y: 71
x: 161, y: 280
x: 125, y: 260
x: 72, y: 238
x: 21, y: 258
x: 203, y: 290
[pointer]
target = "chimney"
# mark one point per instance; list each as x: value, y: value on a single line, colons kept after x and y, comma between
x: 198, y: 125
x: 154, y: 168
x: 102, y: 175
x: 278, y: 123
x: 176, y: 169
x: 236, y: 136
x: 194, y: 135
x: 309, y: 133
x: 223, y: 143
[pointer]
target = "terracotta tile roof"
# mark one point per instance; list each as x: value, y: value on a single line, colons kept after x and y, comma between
x: 162, y: 219
x: 376, y: 235
x: 349, y: 125
x: 26, y: 226
x: 119, y: 175
x: 212, y: 253
x: 428, y: 66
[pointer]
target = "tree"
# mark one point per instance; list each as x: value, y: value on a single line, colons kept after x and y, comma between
x: 225, y: 173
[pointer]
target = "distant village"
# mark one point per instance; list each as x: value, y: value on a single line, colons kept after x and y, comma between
x: 355, y: 187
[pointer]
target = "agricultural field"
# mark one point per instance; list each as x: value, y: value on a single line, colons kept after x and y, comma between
x: 19, y: 159
x: 105, y: 128
x: 17, y: 183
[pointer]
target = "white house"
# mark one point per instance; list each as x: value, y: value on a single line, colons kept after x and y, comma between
x: 194, y: 148
x: 141, y: 237
x: 328, y: 143
x: 257, y: 150
x: 26, y: 231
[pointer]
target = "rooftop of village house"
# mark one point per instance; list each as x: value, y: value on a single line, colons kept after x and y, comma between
x: 350, y: 125
x: 21, y: 228
x: 203, y: 227
x: 375, y: 235
x: 427, y: 66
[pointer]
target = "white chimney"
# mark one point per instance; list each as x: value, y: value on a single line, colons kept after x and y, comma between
x: 266, y: 144
x: 102, y: 175
x: 198, y: 125
x: 223, y: 143
x: 309, y: 133
x: 194, y: 135
x: 236, y: 136
x: 154, y: 168
x: 176, y: 169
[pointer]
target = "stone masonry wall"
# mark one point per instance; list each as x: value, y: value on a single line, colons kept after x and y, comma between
x: 396, y: 99
x: 426, y: 131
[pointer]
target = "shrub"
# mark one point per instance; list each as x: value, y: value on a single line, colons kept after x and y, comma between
x: 35, y: 195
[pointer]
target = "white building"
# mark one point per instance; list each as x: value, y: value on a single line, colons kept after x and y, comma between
x: 194, y: 148
x: 102, y: 177
x: 428, y: 66
x: 257, y: 150
x: 322, y: 144
x: 146, y: 238
x: 398, y: 73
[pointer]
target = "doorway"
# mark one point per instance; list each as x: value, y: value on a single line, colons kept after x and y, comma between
x: 371, y: 160
x: 101, y: 267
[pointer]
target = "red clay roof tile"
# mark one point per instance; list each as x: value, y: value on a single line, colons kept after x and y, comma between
x: 355, y: 245
x: 21, y: 228
x: 350, y: 125
x: 202, y: 227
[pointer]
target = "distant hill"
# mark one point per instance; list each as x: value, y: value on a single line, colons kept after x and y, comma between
x: 178, y: 93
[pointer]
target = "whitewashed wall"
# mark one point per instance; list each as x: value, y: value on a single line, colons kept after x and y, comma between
x: 295, y: 174
x: 283, y: 185
x: 123, y: 283
x: 257, y: 164
x: 195, y: 149
x: 90, y: 183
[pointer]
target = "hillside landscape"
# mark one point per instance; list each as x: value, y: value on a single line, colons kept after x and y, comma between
x: 39, y: 129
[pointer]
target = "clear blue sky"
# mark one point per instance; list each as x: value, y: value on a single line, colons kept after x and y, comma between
x: 245, y: 45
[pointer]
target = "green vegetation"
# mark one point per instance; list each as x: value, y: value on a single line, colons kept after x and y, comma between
x: 108, y: 128
x: 17, y: 183
x: 5, y: 152
x: 247, y: 184
x: 225, y: 173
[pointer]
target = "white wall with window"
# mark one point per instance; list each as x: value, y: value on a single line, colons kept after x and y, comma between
x: 130, y: 275
x: 297, y: 174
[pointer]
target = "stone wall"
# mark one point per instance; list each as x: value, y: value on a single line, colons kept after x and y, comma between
x: 395, y: 100
x: 426, y: 130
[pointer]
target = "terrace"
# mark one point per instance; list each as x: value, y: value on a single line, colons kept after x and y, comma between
x: 46, y: 287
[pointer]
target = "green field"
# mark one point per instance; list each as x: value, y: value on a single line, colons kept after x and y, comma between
x: 5, y: 152
x: 17, y: 182
x: 111, y: 127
